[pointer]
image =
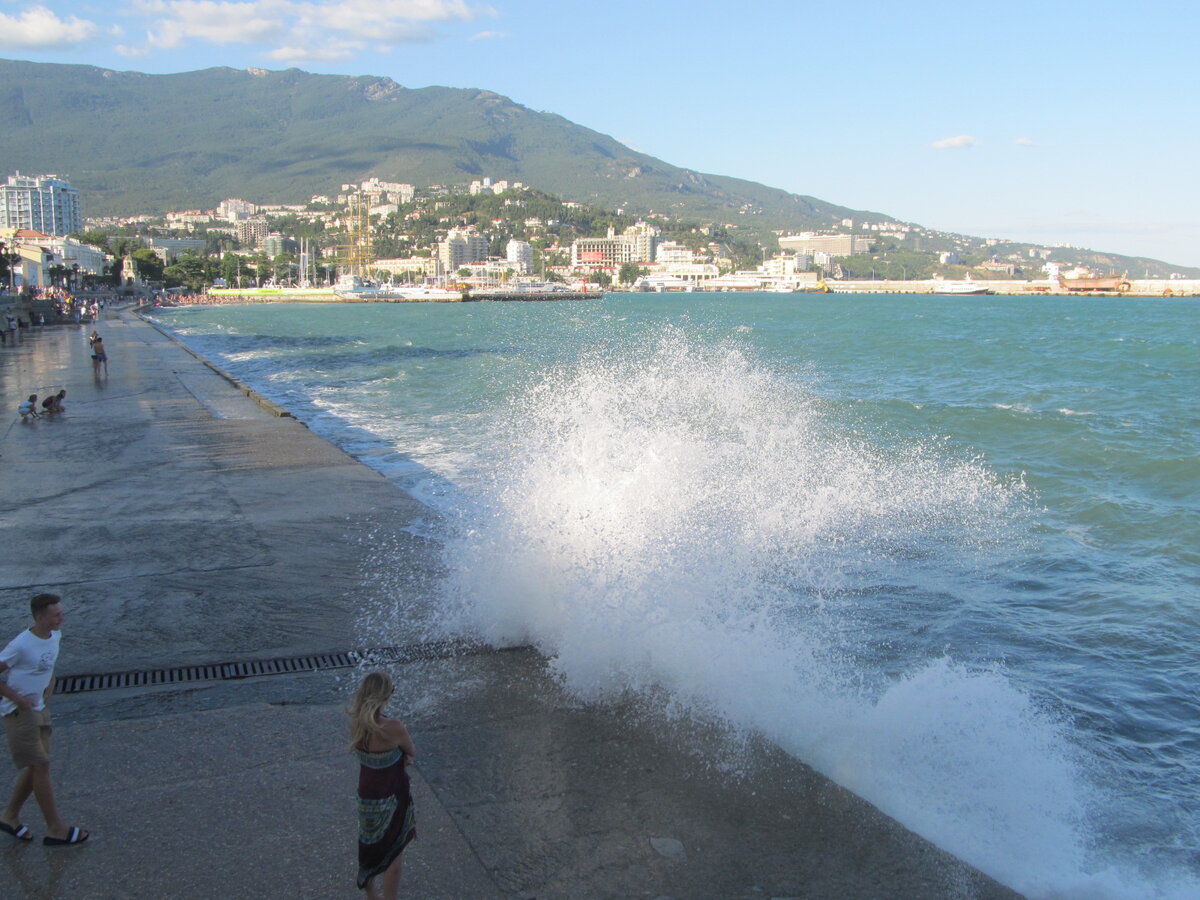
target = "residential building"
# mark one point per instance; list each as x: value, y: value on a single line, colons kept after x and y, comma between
x: 251, y: 232
x: 44, y: 203
x: 461, y: 247
x: 418, y: 266
x: 644, y: 239
x: 520, y: 257
x: 395, y: 191
x: 234, y: 209
x: 604, y: 253
x: 673, y: 253
x: 834, y: 244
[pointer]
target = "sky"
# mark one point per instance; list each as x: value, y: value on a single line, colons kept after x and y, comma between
x: 1052, y: 122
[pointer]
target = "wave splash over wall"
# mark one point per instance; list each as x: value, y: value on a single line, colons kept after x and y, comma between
x: 677, y: 520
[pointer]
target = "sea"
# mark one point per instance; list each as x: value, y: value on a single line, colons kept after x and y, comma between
x: 942, y: 549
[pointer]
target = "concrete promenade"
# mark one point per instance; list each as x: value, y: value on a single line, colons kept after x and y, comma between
x: 184, y: 524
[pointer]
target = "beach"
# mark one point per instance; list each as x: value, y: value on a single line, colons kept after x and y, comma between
x: 186, y: 523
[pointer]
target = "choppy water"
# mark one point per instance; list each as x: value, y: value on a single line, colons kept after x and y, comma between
x: 943, y: 549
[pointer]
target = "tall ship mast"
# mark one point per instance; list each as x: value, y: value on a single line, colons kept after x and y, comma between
x: 358, y: 230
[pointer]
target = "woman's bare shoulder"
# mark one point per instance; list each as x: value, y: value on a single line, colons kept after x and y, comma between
x: 393, y: 727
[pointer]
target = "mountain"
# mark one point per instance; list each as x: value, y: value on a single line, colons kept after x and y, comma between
x: 149, y: 143
x: 135, y: 143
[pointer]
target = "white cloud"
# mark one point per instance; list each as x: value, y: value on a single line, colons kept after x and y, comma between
x: 1025, y: 142
x: 327, y: 51
x: 488, y: 36
x: 298, y: 30
x: 41, y: 27
x: 960, y: 142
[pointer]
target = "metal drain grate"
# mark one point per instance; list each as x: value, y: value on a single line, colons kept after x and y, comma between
x: 448, y: 649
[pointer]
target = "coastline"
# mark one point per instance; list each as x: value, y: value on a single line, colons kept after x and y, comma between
x: 189, y: 513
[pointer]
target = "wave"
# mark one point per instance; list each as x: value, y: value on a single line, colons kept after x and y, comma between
x: 680, y: 520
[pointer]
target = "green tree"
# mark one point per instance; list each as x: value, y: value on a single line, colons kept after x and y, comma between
x: 630, y: 272
x: 190, y: 271
x: 149, y: 266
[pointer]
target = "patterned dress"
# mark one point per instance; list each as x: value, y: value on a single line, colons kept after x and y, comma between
x: 385, y: 811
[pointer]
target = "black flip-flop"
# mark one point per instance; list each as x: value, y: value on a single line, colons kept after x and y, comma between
x: 75, y: 836
x: 20, y: 832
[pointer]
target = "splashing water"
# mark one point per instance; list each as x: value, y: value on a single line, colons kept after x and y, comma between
x: 681, y: 520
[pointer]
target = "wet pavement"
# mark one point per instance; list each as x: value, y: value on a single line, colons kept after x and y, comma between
x: 184, y: 522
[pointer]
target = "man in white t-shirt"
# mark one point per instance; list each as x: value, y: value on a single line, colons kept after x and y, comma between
x: 28, y: 661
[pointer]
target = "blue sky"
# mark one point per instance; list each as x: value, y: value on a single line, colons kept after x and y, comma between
x: 1050, y: 122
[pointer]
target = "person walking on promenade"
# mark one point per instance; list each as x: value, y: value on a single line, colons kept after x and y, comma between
x: 386, y: 821
x: 29, y: 661
x: 99, y: 356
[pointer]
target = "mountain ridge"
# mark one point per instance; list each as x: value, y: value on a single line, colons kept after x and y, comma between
x: 134, y: 142
x: 279, y: 135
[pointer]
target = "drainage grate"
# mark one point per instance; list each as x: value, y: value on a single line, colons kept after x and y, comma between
x: 448, y: 649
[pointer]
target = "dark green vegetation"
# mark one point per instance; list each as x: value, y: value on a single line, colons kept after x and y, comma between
x: 135, y: 143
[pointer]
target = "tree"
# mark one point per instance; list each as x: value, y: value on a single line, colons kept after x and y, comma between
x: 283, y: 265
x: 630, y: 272
x: 190, y: 271
x: 149, y: 266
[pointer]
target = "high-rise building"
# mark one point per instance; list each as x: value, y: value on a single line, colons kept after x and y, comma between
x: 44, y: 203
x: 520, y: 257
x: 251, y: 232
x: 461, y: 247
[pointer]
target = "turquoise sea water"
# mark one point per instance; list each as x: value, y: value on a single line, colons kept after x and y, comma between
x: 943, y: 549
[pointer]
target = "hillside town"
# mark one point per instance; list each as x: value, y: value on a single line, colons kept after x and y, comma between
x: 495, y: 233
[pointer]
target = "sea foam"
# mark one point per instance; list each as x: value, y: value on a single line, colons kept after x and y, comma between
x: 679, y: 520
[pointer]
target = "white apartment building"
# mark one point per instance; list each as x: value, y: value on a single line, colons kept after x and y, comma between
x: 44, y: 203
x: 670, y: 253
x: 422, y: 266
x: 644, y: 238
x: 520, y: 257
x: 394, y: 191
x: 234, y: 209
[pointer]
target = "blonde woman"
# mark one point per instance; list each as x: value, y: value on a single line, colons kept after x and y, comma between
x: 385, y: 809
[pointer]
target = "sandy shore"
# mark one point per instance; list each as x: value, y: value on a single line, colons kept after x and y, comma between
x: 185, y: 524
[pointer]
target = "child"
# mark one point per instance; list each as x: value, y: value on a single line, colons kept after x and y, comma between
x: 28, y: 409
x: 54, y: 403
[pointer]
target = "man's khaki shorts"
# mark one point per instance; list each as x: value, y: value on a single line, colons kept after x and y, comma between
x: 28, y: 733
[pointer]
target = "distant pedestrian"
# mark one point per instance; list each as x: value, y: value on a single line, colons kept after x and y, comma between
x: 386, y: 822
x: 99, y: 357
x: 54, y: 403
x: 29, y: 661
x: 28, y: 409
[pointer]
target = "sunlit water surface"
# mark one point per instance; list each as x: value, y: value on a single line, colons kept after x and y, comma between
x: 942, y: 549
